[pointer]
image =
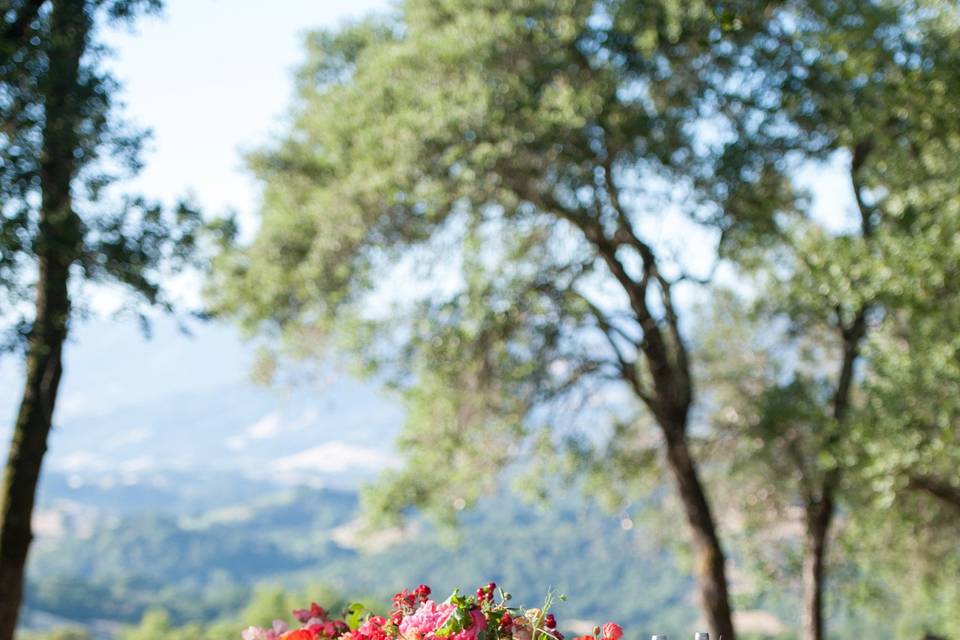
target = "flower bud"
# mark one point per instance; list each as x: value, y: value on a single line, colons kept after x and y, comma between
x: 612, y: 631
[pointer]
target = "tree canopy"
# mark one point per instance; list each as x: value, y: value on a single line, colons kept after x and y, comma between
x: 508, y: 208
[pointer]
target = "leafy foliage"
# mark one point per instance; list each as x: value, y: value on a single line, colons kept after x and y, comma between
x: 123, y: 239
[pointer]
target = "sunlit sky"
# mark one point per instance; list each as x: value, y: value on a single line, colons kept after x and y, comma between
x: 210, y: 79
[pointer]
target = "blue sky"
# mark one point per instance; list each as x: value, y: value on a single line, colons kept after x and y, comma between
x: 210, y: 78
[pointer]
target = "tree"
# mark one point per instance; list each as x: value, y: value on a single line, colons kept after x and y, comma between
x: 877, y: 98
x: 515, y: 158
x: 907, y: 434
x: 63, y: 224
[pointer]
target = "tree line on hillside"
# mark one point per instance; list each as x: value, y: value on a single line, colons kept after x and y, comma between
x: 205, y: 572
x: 523, y: 212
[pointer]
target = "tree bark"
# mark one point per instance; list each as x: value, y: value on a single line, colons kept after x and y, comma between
x: 57, y: 246
x: 710, y: 560
x: 819, y: 516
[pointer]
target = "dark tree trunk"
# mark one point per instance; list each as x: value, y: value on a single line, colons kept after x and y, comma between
x: 820, y: 508
x: 669, y: 399
x: 57, y: 245
x: 819, y: 516
x: 30, y: 439
x: 669, y: 392
x: 710, y: 560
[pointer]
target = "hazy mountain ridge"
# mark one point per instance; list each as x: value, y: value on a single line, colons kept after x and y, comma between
x: 203, y: 564
x: 334, y: 435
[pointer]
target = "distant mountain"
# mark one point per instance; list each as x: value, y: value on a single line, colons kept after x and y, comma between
x: 204, y: 565
x: 335, y: 435
x: 134, y: 410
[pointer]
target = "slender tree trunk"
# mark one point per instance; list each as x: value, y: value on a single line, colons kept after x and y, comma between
x: 669, y: 397
x: 819, y: 516
x: 820, y: 510
x: 30, y: 440
x: 710, y: 560
x: 57, y: 245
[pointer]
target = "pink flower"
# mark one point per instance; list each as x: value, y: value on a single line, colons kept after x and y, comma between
x: 373, y: 622
x: 253, y: 633
x: 429, y: 617
x: 372, y: 629
x: 256, y: 633
x: 477, y: 622
x: 612, y: 631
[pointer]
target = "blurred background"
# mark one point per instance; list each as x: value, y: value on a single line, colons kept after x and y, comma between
x: 560, y: 294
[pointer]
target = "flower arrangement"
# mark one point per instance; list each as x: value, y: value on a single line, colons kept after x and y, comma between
x: 414, y: 616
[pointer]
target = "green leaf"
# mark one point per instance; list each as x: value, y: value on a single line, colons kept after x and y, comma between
x: 356, y: 614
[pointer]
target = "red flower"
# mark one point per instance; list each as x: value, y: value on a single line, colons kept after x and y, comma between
x: 612, y: 631
x: 302, y: 615
x: 315, y: 611
x: 422, y: 592
x: 404, y: 599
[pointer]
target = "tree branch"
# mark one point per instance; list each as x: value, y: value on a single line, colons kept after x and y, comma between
x: 936, y: 487
x: 627, y: 235
x: 625, y: 366
x: 852, y: 335
x: 860, y: 153
x: 672, y: 391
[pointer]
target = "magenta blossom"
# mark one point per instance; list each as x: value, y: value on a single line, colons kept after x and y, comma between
x: 423, y: 623
x: 429, y: 617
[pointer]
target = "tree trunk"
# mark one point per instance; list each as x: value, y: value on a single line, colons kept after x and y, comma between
x: 30, y: 441
x: 57, y: 245
x: 710, y: 560
x: 819, y: 516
